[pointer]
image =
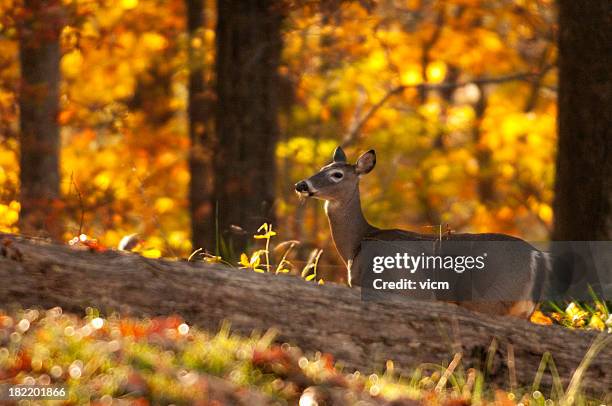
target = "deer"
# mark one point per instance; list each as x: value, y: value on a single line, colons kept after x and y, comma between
x: 337, y: 184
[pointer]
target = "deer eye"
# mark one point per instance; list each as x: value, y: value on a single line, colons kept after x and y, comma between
x: 337, y: 175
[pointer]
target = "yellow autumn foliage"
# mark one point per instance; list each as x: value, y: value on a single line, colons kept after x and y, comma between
x: 124, y: 133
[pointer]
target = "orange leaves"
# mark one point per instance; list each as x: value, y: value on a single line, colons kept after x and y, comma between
x: 85, y: 241
x: 540, y: 318
x: 146, y: 328
x: 122, y: 60
x: 64, y: 116
x: 501, y: 142
x: 274, y: 355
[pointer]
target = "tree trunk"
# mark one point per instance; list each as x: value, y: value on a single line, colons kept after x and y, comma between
x: 248, y: 44
x: 39, y: 55
x: 329, y: 318
x: 583, y: 189
x: 202, y: 146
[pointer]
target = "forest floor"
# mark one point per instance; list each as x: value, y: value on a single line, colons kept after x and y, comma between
x: 163, y: 360
x: 155, y: 357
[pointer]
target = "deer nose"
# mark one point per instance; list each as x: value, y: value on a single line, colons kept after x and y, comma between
x: 301, y: 186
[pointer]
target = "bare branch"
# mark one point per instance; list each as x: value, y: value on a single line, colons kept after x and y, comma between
x: 81, y: 205
x: 426, y: 51
x: 355, y: 131
x: 536, y: 83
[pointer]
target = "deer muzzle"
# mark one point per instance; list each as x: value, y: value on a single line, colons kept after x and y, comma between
x: 303, y: 188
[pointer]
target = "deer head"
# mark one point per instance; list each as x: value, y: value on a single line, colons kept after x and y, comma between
x: 338, y: 181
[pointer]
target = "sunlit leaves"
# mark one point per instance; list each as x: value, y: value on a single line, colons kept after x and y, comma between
x: 9, y: 214
x: 594, y: 315
x: 411, y: 76
x: 154, y: 41
x: 151, y: 253
x: 540, y: 318
x: 123, y: 103
x: 253, y: 262
x: 71, y: 64
x: 474, y: 41
x: 129, y: 4
x: 164, y: 204
x: 266, y: 232
x: 545, y: 213
x: 305, y: 150
x: 436, y: 72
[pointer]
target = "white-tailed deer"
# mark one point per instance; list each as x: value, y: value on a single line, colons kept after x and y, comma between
x: 338, y: 185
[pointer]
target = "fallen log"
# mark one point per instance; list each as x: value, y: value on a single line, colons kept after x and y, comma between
x: 329, y: 318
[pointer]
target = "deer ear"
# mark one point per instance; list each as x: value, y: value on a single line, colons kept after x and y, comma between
x: 366, y: 162
x: 339, y: 155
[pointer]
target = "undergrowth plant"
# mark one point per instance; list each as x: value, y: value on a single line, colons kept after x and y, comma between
x: 259, y: 260
x: 590, y: 315
x: 103, y: 360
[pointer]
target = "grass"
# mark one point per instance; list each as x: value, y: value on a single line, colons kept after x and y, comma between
x: 587, y: 315
x: 260, y: 259
x: 273, y: 369
x: 165, y: 361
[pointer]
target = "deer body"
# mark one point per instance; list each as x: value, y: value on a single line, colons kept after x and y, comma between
x: 338, y: 184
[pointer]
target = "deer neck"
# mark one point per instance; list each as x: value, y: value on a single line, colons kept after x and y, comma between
x: 348, y: 225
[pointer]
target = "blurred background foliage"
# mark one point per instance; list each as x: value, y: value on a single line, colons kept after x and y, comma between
x: 458, y: 98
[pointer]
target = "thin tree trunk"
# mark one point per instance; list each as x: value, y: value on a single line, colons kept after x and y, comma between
x: 484, y: 155
x: 153, y: 93
x: 39, y: 106
x: 202, y: 146
x: 248, y: 43
x: 583, y: 189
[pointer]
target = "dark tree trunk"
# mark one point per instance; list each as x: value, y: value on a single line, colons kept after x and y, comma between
x: 39, y: 105
x: 202, y: 214
x: 248, y: 43
x: 583, y: 189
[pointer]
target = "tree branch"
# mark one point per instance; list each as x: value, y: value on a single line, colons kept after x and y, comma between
x: 355, y: 132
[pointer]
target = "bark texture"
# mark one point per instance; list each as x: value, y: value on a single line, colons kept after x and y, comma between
x: 39, y: 56
x: 329, y: 318
x: 202, y: 146
x: 583, y: 190
x: 248, y: 44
